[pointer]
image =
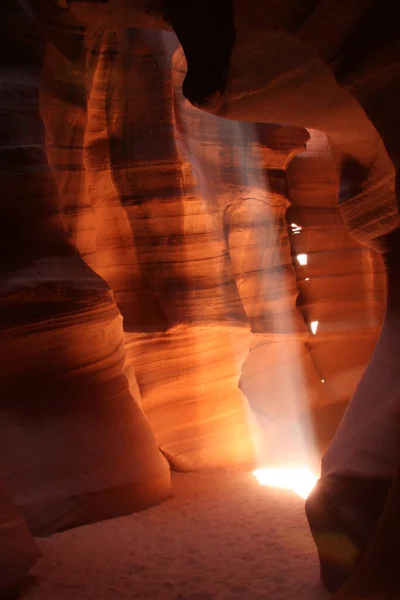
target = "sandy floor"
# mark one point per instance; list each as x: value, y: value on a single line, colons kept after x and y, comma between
x: 222, y: 537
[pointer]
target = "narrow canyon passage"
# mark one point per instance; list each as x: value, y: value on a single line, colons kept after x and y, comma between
x: 199, y: 232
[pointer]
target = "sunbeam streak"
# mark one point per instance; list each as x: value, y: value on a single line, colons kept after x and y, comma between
x: 299, y: 480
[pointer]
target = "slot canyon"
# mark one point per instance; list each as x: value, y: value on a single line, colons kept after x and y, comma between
x: 199, y: 300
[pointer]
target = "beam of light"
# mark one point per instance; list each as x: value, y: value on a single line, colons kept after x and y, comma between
x: 314, y: 327
x: 277, y: 411
x: 300, y: 480
x: 296, y: 228
x: 278, y: 418
x: 288, y: 453
x: 302, y: 259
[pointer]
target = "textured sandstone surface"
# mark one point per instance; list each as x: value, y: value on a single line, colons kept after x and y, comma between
x: 360, y: 51
x: 286, y: 66
x: 186, y: 217
x: 291, y: 64
x: 154, y: 311
x: 75, y: 446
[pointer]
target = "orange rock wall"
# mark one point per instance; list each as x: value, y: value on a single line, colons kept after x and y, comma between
x: 141, y: 206
x: 75, y: 446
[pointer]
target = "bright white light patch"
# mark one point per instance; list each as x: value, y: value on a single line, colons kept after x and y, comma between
x: 302, y: 258
x: 314, y: 326
x: 307, y: 279
x: 300, y: 481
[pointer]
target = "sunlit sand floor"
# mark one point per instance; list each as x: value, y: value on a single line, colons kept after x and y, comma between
x: 222, y: 537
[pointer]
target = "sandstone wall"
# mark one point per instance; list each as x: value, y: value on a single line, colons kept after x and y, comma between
x: 75, y: 446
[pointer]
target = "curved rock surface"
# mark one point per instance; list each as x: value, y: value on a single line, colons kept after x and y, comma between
x: 342, y: 288
x: 75, y: 446
x: 290, y: 63
x: 187, y: 218
x: 156, y: 244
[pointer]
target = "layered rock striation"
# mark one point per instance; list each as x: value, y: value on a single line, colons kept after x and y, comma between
x: 154, y: 304
x: 75, y: 446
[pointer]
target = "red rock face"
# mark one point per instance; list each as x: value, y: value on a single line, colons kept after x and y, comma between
x: 289, y: 64
x: 342, y: 286
x: 76, y: 447
x: 153, y: 296
x: 231, y: 299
